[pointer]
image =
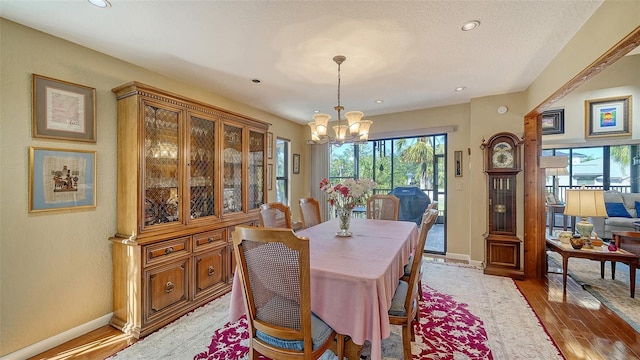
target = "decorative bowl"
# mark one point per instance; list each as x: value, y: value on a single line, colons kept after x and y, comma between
x: 597, y: 242
x: 577, y: 243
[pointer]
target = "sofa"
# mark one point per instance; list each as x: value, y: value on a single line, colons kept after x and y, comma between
x: 622, y: 212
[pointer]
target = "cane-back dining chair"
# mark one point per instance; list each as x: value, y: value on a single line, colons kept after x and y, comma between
x: 383, y: 207
x: 428, y: 219
x: 404, y: 305
x: 275, y: 215
x: 275, y: 274
x: 433, y: 205
x: 310, y: 212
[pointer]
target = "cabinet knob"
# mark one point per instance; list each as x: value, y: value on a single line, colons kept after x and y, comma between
x: 169, y: 287
x: 212, y: 270
x: 210, y: 240
x: 168, y: 250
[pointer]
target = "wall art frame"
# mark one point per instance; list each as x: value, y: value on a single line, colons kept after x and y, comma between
x: 61, y: 179
x: 550, y: 198
x: 269, y: 176
x: 608, y: 117
x: 296, y: 163
x: 63, y: 110
x: 269, y: 145
x: 457, y: 155
x: 552, y: 122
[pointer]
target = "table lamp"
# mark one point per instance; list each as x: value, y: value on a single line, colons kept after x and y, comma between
x: 584, y: 203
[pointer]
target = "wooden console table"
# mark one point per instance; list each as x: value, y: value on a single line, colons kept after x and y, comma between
x: 601, y: 254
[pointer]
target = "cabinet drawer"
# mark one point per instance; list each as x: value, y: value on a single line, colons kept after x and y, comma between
x: 166, y: 287
x: 208, y: 239
x: 210, y: 270
x: 166, y: 250
x: 231, y: 229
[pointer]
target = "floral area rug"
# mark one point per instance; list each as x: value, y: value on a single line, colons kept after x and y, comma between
x: 446, y: 330
x: 465, y: 315
x: 614, y: 294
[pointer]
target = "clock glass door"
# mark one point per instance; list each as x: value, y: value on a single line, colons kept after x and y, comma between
x: 501, y: 205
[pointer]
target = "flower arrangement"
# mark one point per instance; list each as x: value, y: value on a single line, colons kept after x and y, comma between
x: 348, y: 193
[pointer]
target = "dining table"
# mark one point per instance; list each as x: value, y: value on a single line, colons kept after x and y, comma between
x: 354, y: 278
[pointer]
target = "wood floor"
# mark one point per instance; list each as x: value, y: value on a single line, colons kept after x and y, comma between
x: 581, y: 327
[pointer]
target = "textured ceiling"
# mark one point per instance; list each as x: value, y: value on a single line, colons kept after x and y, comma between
x: 411, y: 54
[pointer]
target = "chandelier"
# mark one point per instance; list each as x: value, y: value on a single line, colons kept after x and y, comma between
x: 353, y: 129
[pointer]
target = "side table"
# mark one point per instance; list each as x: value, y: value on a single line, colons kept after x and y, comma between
x: 552, y: 210
x: 602, y: 255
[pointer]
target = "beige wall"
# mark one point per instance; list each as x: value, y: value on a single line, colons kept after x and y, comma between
x: 56, y: 267
x: 613, y: 20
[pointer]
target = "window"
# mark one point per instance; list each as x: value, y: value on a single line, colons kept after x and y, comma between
x: 391, y: 163
x: 605, y: 167
x: 282, y: 171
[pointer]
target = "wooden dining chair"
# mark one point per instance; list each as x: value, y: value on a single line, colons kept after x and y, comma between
x: 309, y: 212
x: 433, y: 205
x: 275, y: 275
x: 383, y: 207
x: 404, y: 305
x: 429, y: 218
x: 275, y: 215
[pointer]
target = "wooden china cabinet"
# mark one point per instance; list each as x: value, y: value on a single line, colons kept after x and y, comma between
x: 188, y: 173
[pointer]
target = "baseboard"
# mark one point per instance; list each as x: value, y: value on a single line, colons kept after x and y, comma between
x: 461, y: 257
x: 46, y: 344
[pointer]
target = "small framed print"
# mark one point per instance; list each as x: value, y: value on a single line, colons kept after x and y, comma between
x: 63, y: 110
x: 553, y: 122
x: 296, y: 163
x: 61, y: 179
x: 458, y: 159
x: 551, y: 199
x: 269, y: 176
x: 608, y: 117
x: 269, y: 145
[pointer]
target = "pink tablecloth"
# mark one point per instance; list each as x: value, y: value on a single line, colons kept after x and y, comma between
x: 353, y: 279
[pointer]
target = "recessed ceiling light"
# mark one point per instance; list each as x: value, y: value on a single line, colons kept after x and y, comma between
x: 256, y: 81
x: 379, y: 101
x: 100, y: 3
x: 470, y: 25
x: 316, y: 111
x: 460, y: 88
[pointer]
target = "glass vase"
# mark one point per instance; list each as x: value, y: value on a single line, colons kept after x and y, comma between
x: 344, y: 220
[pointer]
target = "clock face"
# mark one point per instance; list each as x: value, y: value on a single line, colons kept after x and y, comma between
x: 502, y: 155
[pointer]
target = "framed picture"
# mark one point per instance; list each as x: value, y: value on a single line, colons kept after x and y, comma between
x: 61, y: 179
x: 296, y: 163
x: 553, y: 122
x: 458, y: 159
x: 269, y: 175
x: 607, y: 117
x: 63, y: 110
x: 269, y: 145
x: 551, y: 199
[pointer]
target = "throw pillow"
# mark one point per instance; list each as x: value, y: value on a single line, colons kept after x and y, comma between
x: 616, y: 210
x: 638, y: 207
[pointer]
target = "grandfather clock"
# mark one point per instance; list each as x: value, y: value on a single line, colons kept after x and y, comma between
x: 502, y: 165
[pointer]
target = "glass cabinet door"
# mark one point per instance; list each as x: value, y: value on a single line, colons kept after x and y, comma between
x: 232, y: 169
x: 201, y: 160
x: 161, y: 185
x: 256, y: 169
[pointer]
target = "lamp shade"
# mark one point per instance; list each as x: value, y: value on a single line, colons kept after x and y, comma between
x: 557, y: 171
x: 585, y: 203
x: 547, y: 162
